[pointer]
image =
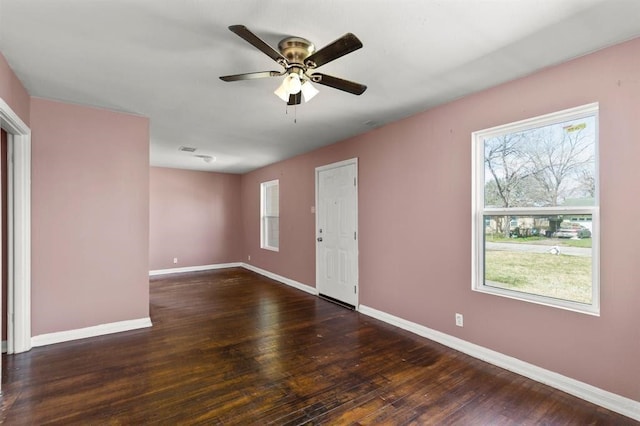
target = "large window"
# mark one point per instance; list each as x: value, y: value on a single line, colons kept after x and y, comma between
x: 535, y: 210
x: 270, y: 215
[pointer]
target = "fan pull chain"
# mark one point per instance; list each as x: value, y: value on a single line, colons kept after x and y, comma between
x: 295, y: 113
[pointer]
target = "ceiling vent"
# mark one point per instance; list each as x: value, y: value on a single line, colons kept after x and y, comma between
x: 187, y: 149
x: 206, y: 158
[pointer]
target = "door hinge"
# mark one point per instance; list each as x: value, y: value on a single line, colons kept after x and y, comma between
x: 355, y: 290
x: 354, y: 235
x: 354, y: 181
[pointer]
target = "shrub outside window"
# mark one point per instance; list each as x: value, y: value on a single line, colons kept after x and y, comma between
x: 535, y: 219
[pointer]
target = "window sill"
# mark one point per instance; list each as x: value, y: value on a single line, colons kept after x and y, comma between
x: 582, y: 308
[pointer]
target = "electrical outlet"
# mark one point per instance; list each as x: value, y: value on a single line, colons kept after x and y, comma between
x: 459, y: 320
x: 175, y: 260
x: 249, y: 257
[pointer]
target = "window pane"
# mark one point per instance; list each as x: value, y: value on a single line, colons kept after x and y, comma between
x: 271, y: 200
x: 545, y: 255
x: 272, y: 231
x: 551, y: 165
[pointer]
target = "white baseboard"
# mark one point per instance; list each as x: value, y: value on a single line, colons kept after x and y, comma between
x: 96, y: 330
x: 608, y: 400
x: 304, y: 287
x: 194, y: 268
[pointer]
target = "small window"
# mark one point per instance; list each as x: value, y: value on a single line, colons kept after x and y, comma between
x: 270, y: 215
x: 536, y: 209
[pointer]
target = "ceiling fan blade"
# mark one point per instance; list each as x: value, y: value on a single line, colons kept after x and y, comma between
x: 258, y: 43
x: 338, y: 83
x: 251, y: 75
x: 295, y: 99
x: 345, y: 44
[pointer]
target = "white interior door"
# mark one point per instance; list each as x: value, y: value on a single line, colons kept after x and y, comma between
x: 337, y: 231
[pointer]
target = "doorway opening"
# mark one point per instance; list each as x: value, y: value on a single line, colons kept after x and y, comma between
x: 18, y: 236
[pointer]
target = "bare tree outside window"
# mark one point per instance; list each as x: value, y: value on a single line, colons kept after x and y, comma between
x: 508, y: 169
x: 541, y: 167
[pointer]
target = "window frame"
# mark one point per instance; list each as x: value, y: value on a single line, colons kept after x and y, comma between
x: 479, y: 211
x: 264, y: 237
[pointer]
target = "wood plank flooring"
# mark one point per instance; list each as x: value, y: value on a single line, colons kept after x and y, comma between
x: 230, y: 347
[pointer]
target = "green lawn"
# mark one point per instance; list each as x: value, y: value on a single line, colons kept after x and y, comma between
x: 558, y: 276
x: 583, y: 242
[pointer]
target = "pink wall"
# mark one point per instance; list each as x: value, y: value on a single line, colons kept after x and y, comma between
x: 12, y: 91
x: 415, y: 221
x: 194, y: 216
x: 90, y: 216
x: 297, y: 238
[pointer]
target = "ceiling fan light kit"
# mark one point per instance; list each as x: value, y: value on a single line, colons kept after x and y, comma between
x: 291, y: 85
x: 308, y: 91
x: 299, y: 58
x: 282, y: 91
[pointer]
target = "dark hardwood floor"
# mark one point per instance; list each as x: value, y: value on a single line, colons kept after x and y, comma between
x: 232, y: 347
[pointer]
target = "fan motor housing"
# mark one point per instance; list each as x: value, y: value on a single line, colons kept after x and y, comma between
x: 296, y: 49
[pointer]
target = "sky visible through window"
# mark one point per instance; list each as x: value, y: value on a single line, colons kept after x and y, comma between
x: 547, y: 166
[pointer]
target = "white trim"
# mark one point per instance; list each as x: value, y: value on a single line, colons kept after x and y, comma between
x: 292, y: 283
x: 478, y: 211
x: 337, y: 164
x: 194, y: 268
x: 531, y: 123
x: 19, y: 219
x: 13, y: 123
x: 21, y: 214
x: 94, y: 331
x: 4, y: 346
x: 9, y: 316
x: 603, y: 398
x: 304, y: 287
x: 264, y: 186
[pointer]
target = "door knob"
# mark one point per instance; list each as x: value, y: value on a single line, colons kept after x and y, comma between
x: 319, y: 239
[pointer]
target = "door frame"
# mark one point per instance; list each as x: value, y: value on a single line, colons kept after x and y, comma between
x: 19, y: 230
x: 351, y: 161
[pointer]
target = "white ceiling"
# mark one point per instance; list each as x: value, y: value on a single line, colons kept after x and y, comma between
x: 162, y: 59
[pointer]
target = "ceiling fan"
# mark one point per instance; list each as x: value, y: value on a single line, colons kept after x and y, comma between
x: 299, y: 58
